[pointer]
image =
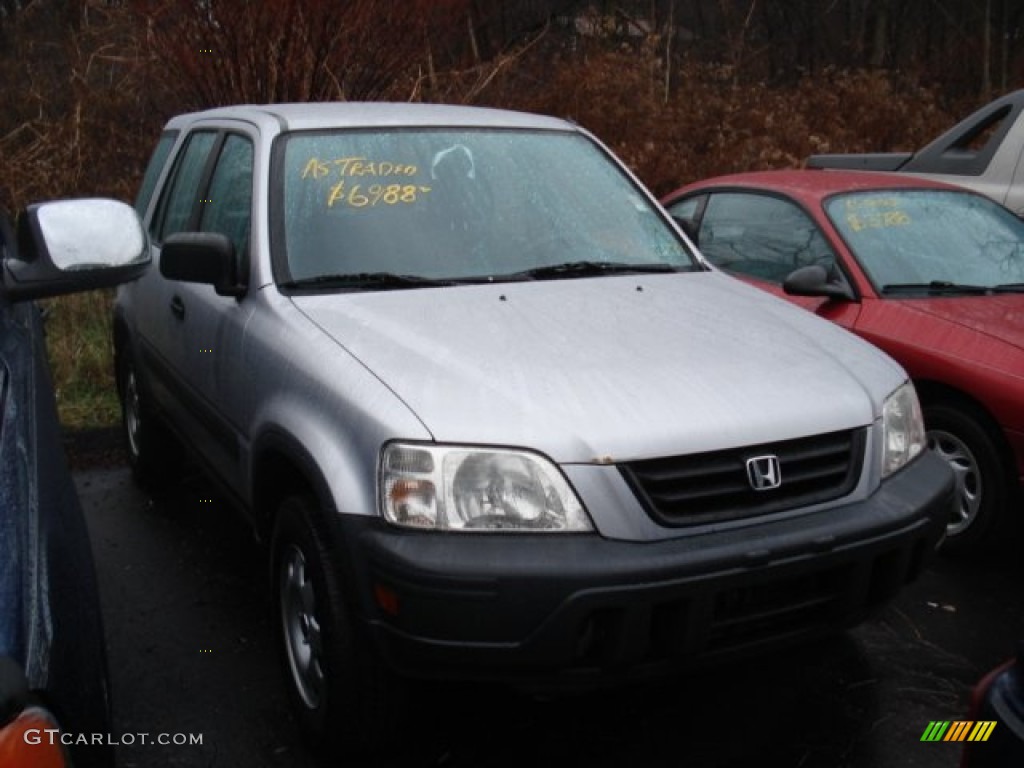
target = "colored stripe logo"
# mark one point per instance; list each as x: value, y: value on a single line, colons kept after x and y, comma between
x: 958, y: 730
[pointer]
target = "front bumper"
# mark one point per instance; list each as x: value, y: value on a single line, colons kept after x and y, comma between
x: 572, y: 609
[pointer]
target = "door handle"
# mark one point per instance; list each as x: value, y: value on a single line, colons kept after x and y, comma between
x: 178, y: 307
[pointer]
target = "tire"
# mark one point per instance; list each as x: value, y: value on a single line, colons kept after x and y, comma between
x: 967, y: 443
x: 343, y: 697
x: 153, y: 453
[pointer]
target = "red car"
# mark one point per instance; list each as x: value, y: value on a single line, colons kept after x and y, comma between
x: 931, y: 273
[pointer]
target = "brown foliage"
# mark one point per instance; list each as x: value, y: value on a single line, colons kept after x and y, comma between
x: 236, y: 51
x: 75, y: 125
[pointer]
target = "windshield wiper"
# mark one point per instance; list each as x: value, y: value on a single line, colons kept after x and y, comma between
x: 1008, y: 288
x: 937, y: 287
x: 589, y: 269
x: 364, y: 281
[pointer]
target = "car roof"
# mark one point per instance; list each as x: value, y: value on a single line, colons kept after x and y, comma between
x: 814, y: 185
x: 351, y: 114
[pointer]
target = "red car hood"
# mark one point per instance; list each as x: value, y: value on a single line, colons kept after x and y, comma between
x: 999, y: 316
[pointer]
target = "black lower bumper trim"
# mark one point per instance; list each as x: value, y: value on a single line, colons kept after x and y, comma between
x: 566, y: 608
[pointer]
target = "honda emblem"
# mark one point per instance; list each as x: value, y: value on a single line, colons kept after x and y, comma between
x: 764, y: 473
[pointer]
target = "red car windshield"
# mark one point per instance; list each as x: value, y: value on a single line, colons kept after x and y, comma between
x: 911, y: 239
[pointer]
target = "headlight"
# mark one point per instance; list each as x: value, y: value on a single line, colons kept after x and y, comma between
x: 902, y: 429
x: 460, y: 488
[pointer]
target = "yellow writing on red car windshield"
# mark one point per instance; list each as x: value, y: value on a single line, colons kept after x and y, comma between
x: 359, y: 194
x: 859, y: 203
x: 871, y: 213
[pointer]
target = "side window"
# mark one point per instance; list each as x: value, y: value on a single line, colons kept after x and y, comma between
x: 228, y: 204
x: 179, y: 200
x: 685, y: 212
x: 760, y: 236
x: 156, y: 165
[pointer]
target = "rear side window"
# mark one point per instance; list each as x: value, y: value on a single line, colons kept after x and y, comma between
x: 156, y: 165
x: 181, y: 199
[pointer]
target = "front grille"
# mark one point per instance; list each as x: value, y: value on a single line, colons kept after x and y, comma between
x: 715, y: 486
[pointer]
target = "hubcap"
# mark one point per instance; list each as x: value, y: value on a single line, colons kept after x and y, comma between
x: 302, y: 636
x: 132, y: 412
x: 968, y: 479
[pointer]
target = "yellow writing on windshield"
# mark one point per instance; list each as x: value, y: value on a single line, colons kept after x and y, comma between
x: 350, y: 190
x: 362, y: 196
x: 859, y: 221
x: 317, y: 168
x: 870, y: 213
x: 859, y: 203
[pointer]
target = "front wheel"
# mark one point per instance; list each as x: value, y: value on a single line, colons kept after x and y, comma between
x: 343, y: 697
x: 982, y: 479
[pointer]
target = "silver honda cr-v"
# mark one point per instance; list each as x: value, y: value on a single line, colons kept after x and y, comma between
x: 494, y: 414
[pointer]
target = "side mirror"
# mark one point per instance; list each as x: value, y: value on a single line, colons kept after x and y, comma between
x: 202, y: 257
x: 74, y: 245
x: 814, y: 280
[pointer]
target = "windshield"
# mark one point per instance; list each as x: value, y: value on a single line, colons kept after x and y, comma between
x: 450, y: 205
x: 934, y: 239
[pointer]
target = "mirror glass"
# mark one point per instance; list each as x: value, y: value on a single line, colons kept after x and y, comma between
x: 91, y: 233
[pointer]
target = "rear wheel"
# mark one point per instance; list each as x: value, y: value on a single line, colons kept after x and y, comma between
x: 983, y: 493
x: 344, y: 698
x: 153, y: 453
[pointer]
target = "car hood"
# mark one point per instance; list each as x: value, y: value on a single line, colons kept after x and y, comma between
x: 1000, y: 316
x: 611, y: 368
